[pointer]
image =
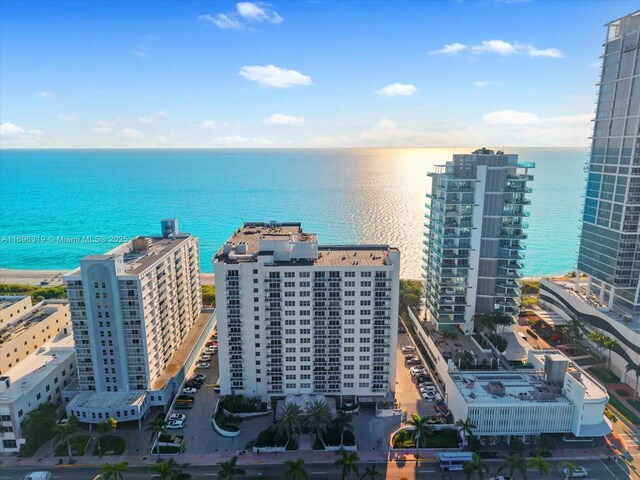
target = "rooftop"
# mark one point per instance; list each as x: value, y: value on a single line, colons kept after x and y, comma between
x: 7, y: 301
x: 140, y: 253
x: 628, y: 318
x: 35, y: 315
x: 253, y: 239
x: 28, y: 373
x: 107, y: 400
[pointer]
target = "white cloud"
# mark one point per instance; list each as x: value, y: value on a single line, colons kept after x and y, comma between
x: 45, y: 94
x: 274, y: 77
x: 449, y: 48
x: 152, y: 118
x: 387, y: 132
x: 222, y: 20
x: 500, y: 47
x: 396, y: 90
x: 9, y: 129
x: 209, y: 124
x: 282, y: 119
x: 104, y: 123
x: 130, y: 134
x: 102, y: 130
x: 252, y: 12
x: 234, y: 141
x: 67, y: 118
x: 258, y: 12
x: 482, y: 83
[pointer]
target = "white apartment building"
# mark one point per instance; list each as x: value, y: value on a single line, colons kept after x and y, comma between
x: 556, y: 396
x: 37, y: 361
x: 296, y: 317
x: 136, y: 321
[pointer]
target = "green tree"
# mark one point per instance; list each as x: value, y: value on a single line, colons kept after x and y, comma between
x: 114, y: 471
x: 318, y: 418
x: 294, y: 470
x: 63, y: 434
x: 422, y: 429
x: 38, y: 427
x: 343, y: 422
x: 635, y: 368
x: 370, y: 473
x: 290, y: 422
x: 546, y: 443
x: 517, y: 446
x: 514, y: 463
x: 566, y: 467
x: 157, y: 428
x: 349, y: 463
x: 465, y: 427
x: 103, y: 428
x: 229, y: 470
x: 543, y: 467
x: 476, y: 468
x: 209, y: 295
x: 169, y: 470
x: 608, y: 344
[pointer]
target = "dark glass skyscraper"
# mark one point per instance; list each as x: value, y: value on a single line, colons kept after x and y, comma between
x: 609, y: 245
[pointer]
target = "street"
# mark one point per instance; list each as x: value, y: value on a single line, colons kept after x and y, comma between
x: 598, y: 470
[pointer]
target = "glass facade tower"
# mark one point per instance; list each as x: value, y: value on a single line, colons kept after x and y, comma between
x: 609, y: 251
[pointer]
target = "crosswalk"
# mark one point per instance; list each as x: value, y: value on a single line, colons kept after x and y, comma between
x: 632, y: 439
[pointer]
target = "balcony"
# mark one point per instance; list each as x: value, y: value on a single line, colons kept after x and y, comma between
x: 517, y: 189
x: 516, y: 213
x: 517, y: 201
x: 521, y: 177
x: 504, y: 273
x: 518, y: 234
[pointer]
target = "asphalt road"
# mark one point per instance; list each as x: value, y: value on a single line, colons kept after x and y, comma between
x: 598, y: 470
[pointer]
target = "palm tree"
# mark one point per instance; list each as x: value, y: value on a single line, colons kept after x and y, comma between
x: 465, y: 427
x: 349, y: 463
x: 157, y: 428
x: 343, y: 422
x: 294, y: 470
x: 114, y: 471
x: 64, y: 432
x: 318, y: 417
x: 421, y: 428
x: 169, y: 470
x: 567, y: 467
x: 635, y: 368
x: 514, y: 463
x: 517, y: 446
x: 290, y: 422
x: 229, y: 470
x: 608, y: 344
x: 543, y: 467
x: 476, y: 468
x: 370, y: 473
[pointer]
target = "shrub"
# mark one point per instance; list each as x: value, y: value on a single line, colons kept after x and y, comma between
x: 499, y: 342
x: 227, y: 422
x: 110, y: 445
x: 332, y: 437
x: 209, y: 295
x: 78, y: 445
x: 38, y: 428
x: 241, y: 404
x: 271, y: 438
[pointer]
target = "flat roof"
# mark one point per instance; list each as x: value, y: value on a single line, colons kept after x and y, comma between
x: 182, y: 352
x: 137, y: 262
x: 7, y: 300
x: 107, y: 400
x: 28, y: 373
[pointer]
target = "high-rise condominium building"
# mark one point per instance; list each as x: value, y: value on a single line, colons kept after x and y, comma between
x: 610, y: 241
x: 295, y: 317
x: 475, y: 228
x: 135, y: 314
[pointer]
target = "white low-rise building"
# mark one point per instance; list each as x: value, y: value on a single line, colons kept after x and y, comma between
x: 555, y: 396
x: 296, y: 317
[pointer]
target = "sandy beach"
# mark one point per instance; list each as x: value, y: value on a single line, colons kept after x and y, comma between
x: 54, y: 277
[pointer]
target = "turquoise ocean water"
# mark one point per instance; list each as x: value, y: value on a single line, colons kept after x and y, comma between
x: 52, y: 201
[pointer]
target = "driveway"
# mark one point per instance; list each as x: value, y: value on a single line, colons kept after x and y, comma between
x: 406, y: 391
x: 373, y: 434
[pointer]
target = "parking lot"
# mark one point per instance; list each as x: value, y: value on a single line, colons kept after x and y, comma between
x: 406, y: 392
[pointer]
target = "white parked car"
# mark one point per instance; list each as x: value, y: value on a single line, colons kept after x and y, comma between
x: 408, y: 349
x: 415, y: 371
x: 210, y: 351
x: 39, y: 476
x: 428, y: 395
x: 175, y: 425
x: 203, y: 365
x: 578, y: 472
x: 190, y: 391
x: 177, y: 416
x: 205, y: 358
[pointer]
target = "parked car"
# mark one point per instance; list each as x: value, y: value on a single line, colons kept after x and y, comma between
x: 417, y: 371
x: 177, y: 416
x: 39, y: 476
x: 409, y: 356
x: 199, y: 376
x: 427, y: 389
x: 189, y: 391
x: 408, y: 349
x: 428, y: 395
x: 210, y: 351
x: 420, y: 379
x: 578, y: 472
x: 203, y: 365
x: 414, y: 363
x: 205, y: 358
x: 426, y: 384
x: 208, y: 344
x: 216, y: 388
x: 195, y: 385
x: 174, y: 425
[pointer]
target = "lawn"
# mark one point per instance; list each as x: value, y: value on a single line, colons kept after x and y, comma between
x: 440, y: 439
x: 617, y: 404
x: 78, y: 445
x: 110, y: 445
x: 606, y: 376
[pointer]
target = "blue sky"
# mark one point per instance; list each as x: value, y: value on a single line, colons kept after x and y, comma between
x: 300, y: 74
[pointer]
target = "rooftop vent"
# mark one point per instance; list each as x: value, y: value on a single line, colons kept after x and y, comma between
x: 169, y: 226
